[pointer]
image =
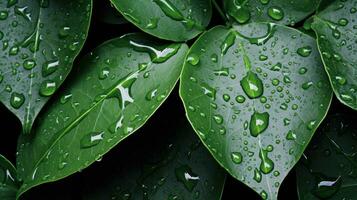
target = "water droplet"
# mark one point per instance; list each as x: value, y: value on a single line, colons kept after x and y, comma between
x: 304, y: 51
x: 222, y: 72
x: 3, y: 15
x: 64, y: 32
x: 307, y: 85
x: 214, y: 58
x: 11, y: 3
x: 47, y: 88
x: 104, y: 73
x: 14, y: 50
x: 65, y: 98
x: 193, y: 59
x: 341, y: 80
x: 276, y: 67
x: 276, y: 13
x: 237, y: 157
x: 151, y: 94
x: 302, y: 70
x: 169, y: 9
x: 91, y: 139
x: 218, y: 119
x: 49, y: 67
x: 29, y: 64
x: 209, y: 91
x: 157, y: 54
x: 152, y: 23
x: 241, y: 14
x: 264, y: 2
x: 326, y: 187
x: 185, y: 175
x: 266, y: 165
x: 123, y: 90
x: 228, y: 42
x: 240, y: 99
x: 263, y: 57
x: 264, y: 195
x: 311, y: 125
x: 291, y: 135
x: 258, y: 123
x: 252, y: 85
x: 226, y: 97
x: 257, y: 175
x: 17, y: 100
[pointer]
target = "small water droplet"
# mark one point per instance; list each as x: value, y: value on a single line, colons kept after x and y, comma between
x: 17, y: 100
x: 276, y: 13
x: 237, y: 157
x: 252, y: 85
x: 47, y: 88
x: 91, y: 139
x: 185, y: 175
x: 258, y: 123
x: 257, y: 175
x: 29, y: 64
x: 193, y: 59
x: 304, y: 51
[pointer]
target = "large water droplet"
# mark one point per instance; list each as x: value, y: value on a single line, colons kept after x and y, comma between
x: 326, y: 187
x: 252, y: 85
x: 47, y: 88
x: 258, y: 123
x: 91, y: 139
x: 49, y: 67
x: 237, y: 157
x: 122, y: 90
x: 29, y: 64
x: 185, y: 175
x: 157, y: 54
x: 276, y: 13
x: 17, y: 100
x: 266, y: 165
x: 228, y: 42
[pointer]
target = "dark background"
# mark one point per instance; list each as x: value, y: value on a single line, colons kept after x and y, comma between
x: 10, y: 127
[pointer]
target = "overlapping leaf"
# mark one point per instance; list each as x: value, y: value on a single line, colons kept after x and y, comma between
x: 177, y: 166
x: 336, y: 28
x: 279, y: 11
x: 8, y: 181
x: 111, y: 94
x: 40, y: 40
x: 255, y: 95
x: 174, y: 20
x: 329, y: 168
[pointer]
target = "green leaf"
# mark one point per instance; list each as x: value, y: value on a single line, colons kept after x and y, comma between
x: 255, y: 95
x: 174, y: 20
x: 278, y: 11
x: 8, y: 184
x: 111, y: 94
x: 177, y: 166
x: 329, y: 167
x: 336, y: 28
x: 40, y: 40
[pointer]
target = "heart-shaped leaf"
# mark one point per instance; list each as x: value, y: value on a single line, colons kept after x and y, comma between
x: 40, y: 40
x: 8, y: 181
x: 278, y: 11
x: 177, y: 166
x: 336, y: 28
x: 329, y: 168
x: 255, y: 95
x: 174, y: 20
x: 111, y: 94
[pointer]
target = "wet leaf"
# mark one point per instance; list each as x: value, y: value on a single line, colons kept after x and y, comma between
x: 40, y: 40
x: 255, y: 95
x: 278, y: 11
x: 8, y: 181
x: 177, y: 166
x: 112, y: 93
x: 336, y: 28
x: 328, y: 169
x: 174, y: 20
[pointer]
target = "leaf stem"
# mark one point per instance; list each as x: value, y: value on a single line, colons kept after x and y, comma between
x: 220, y: 11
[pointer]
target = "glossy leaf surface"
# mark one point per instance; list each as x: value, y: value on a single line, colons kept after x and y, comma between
x: 174, y: 20
x: 278, y: 11
x: 112, y: 93
x: 329, y: 168
x: 40, y: 40
x: 255, y: 95
x: 336, y: 28
x: 8, y: 181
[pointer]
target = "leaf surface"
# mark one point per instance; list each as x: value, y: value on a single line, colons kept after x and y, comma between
x: 174, y: 20
x: 328, y: 169
x: 40, y: 40
x: 278, y: 11
x: 336, y: 29
x: 255, y: 95
x: 112, y: 93
x: 8, y: 184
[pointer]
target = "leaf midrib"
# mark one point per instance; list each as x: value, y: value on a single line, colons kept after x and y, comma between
x: 69, y: 127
